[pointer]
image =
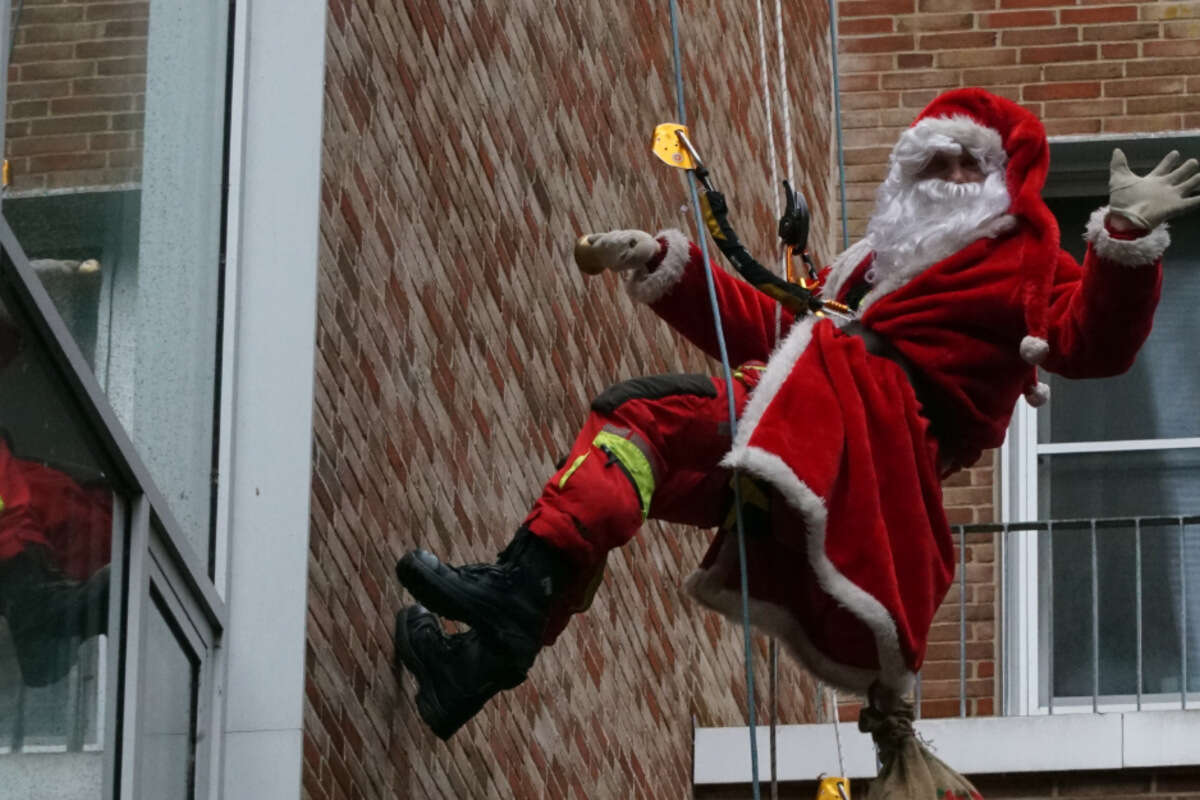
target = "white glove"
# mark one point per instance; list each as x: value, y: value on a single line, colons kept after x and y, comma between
x: 1151, y: 200
x: 615, y: 250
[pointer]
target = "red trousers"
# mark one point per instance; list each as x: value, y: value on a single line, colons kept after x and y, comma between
x: 44, y: 507
x: 598, y: 499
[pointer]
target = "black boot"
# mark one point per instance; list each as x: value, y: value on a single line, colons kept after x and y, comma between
x: 48, y: 614
x: 455, y: 674
x: 507, y: 602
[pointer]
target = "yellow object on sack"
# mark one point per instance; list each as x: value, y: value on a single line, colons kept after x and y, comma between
x: 833, y: 789
x: 668, y: 147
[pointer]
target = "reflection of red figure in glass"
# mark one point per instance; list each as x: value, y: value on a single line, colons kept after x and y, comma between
x: 55, y: 544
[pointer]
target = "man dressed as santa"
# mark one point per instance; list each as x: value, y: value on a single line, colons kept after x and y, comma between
x: 959, y: 290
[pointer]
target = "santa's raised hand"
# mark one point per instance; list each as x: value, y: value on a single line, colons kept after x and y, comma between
x: 1148, y: 201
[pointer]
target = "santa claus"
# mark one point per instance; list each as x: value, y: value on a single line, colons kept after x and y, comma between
x: 959, y: 292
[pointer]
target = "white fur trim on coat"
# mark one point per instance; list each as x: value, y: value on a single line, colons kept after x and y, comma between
x: 646, y: 286
x: 892, y: 670
x: 706, y: 586
x: 1138, y: 252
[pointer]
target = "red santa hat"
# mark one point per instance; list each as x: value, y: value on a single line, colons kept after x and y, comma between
x: 1000, y: 133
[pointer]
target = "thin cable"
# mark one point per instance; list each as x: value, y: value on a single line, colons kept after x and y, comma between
x: 837, y: 734
x: 785, y: 95
x: 837, y: 120
x: 720, y: 333
x: 766, y: 90
x: 773, y: 649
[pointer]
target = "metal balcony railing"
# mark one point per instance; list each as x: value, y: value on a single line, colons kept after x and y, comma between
x: 1137, y: 527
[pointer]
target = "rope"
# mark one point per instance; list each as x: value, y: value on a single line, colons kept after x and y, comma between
x: 788, y: 144
x: 720, y: 335
x: 845, y: 244
x: 773, y: 649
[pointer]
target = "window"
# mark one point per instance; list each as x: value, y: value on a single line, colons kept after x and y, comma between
x: 111, y: 274
x: 1110, y: 614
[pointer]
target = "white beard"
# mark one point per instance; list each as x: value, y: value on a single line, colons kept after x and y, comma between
x: 921, y: 223
x: 918, y: 223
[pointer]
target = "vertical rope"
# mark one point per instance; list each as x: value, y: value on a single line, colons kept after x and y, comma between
x: 837, y: 121
x: 773, y: 649
x: 785, y: 95
x: 720, y: 334
x: 766, y: 90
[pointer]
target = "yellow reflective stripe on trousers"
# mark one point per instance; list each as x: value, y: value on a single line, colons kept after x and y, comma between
x: 1, y: 503
x: 634, y: 461
x: 574, y: 466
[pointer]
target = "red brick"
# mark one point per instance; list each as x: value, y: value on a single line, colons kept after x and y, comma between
x: 913, y: 79
x: 1061, y: 91
x: 1043, y: 55
x: 936, y: 22
x: 1171, y: 49
x: 1090, y: 16
x: 914, y: 60
x: 1163, y: 104
x: 955, y: 41
x: 1002, y: 75
x: 1019, y: 19
x: 859, y: 83
x: 1145, y: 86
x: 873, y: 8
x: 1035, y: 36
x: 937, y: 6
x: 876, y: 44
x: 1087, y: 71
x: 108, y: 11
x: 1118, y: 52
x: 949, y: 59
x: 49, y: 70
x: 1120, y: 33
x: 57, y: 124
x: 865, y: 25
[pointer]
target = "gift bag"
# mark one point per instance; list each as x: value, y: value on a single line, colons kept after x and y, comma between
x: 908, y: 770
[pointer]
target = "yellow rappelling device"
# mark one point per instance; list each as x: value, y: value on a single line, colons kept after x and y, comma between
x: 673, y: 146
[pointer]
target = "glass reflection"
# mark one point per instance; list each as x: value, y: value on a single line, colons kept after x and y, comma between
x: 168, y: 708
x: 115, y: 141
x: 56, y: 523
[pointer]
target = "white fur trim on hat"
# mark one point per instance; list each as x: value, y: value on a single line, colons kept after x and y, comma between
x: 1034, y: 349
x: 1138, y: 252
x: 935, y: 134
x: 1037, y: 395
x: 648, y: 287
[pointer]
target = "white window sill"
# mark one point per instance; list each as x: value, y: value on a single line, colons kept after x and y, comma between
x: 973, y: 746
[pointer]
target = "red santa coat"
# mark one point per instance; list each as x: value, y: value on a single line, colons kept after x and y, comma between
x: 860, y: 554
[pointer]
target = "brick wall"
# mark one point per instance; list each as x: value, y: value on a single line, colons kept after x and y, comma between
x: 465, y: 148
x: 1086, y: 67
x: 76, y: 92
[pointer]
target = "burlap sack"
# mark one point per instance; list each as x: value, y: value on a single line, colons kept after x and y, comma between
x: 908, y: 771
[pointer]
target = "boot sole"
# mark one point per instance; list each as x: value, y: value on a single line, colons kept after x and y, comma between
x: 435, y: 587
x: 428, y: 707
